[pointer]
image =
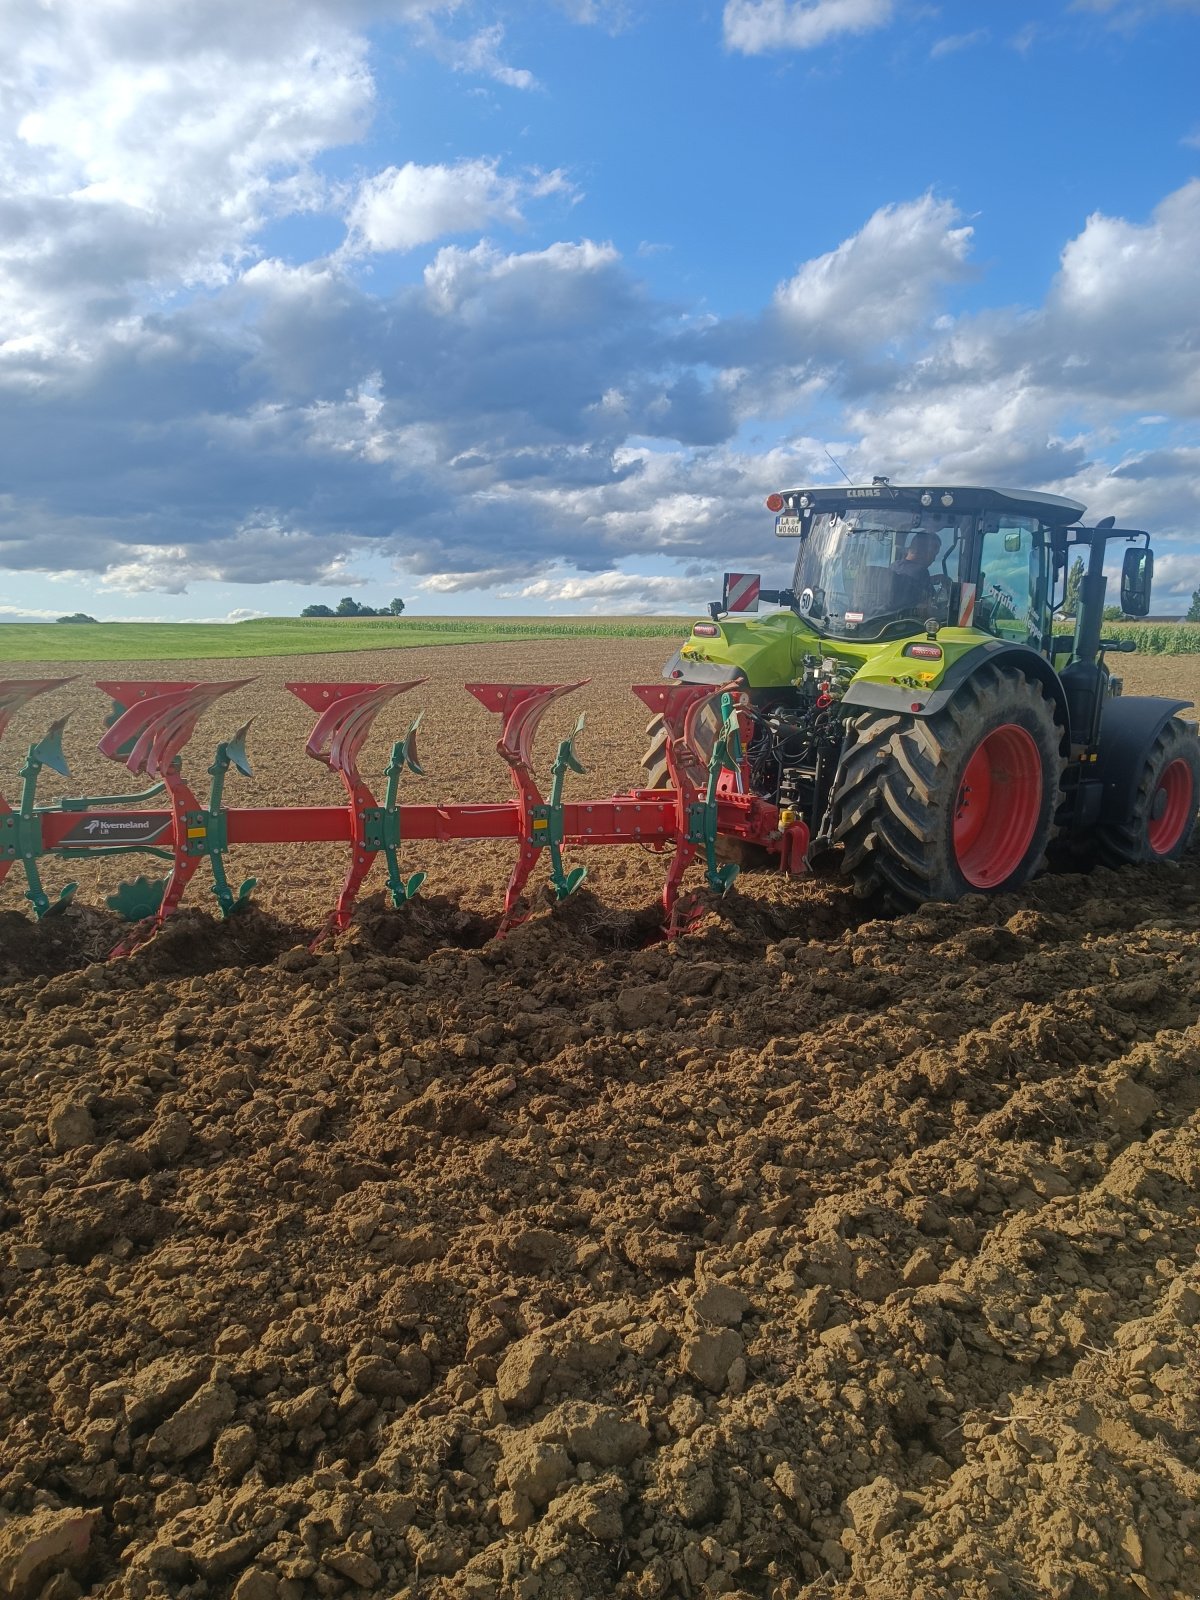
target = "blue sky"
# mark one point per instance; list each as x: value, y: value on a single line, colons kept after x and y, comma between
x: 527, y: 306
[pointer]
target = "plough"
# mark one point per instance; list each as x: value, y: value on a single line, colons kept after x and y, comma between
x: 152, y: 723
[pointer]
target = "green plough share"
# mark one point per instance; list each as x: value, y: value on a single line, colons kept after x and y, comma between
x: 26, y: 843
x: 726, y: 757
x: 137, y: 900
x: 404, y: 756
x: 230, y: 753
x: 551, y: 834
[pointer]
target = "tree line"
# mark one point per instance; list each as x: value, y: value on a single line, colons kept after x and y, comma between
x: 349, y: 607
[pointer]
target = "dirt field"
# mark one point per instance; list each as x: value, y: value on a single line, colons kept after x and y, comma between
x: 817, y: 1256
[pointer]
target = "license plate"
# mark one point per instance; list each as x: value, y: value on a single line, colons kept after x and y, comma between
x: 787, y: 527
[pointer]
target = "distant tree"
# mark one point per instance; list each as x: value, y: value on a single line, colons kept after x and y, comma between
x: 347, y: 606
x: 1113, y: 614
x: 1193, y: 611
x: 1074, y: 579
x: 76, y: 616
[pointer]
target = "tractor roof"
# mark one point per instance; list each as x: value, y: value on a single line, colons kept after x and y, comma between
x: 1051, y: 508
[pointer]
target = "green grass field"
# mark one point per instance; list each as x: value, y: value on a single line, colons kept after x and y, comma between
x: 296, y: 636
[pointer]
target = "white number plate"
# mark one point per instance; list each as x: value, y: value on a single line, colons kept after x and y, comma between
x: 787, y: 527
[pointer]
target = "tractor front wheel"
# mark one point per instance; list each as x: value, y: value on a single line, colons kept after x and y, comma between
x: 957, y: 803
x: 1163, y: 818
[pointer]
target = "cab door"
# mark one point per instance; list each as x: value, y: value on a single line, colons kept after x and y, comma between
x: 1010, y: 599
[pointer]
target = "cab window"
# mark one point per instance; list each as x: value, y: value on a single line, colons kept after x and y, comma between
x: 1012, y: 580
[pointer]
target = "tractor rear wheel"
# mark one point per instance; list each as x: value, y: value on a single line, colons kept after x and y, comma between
x: 654, y: 762
x: 958, y: 803
x: 658, y: 776
x: 1163, y: 818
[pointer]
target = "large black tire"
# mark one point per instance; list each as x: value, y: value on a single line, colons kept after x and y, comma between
x: 958, y: 803
x: 658, y: 776
x: 654, y: 762
x: 1162, y: 820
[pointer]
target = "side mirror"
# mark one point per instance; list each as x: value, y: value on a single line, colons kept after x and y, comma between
x: 1137, y: 575
x: 1012, y: 543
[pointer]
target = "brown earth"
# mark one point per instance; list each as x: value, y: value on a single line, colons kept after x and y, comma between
x: 815, y: 1256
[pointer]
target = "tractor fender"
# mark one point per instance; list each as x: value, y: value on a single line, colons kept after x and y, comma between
x: 994, y: 652
x: 1129, y: 725
x: 682, y: 670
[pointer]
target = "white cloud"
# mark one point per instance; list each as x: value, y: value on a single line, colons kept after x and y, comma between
x: 461, y: 582
x: 144, y: 145
x: 31, y: 613
x: 756, y: 26
x: 403, y: 207
x: 610, y: 14
x: 502, y: 418
x: 622, y: 593
x: 879, y: 285
x: 1131, y: 13
x: 456, y: 277
x: 481, y: 53
x: 156, y: 569
x: 952, y: 43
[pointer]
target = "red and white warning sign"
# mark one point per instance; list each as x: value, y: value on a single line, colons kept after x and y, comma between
x: 741, y: 591
x: 966, y: 605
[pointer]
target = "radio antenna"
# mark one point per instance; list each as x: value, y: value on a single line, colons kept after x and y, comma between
x: 838, y: 465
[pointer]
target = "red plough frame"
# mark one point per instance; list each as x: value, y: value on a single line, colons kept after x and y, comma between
x: 153, y: 723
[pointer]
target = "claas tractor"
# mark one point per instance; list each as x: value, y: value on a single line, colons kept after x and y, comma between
x: 914, y: 713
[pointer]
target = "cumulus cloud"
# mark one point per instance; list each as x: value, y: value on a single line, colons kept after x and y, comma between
x: 477, y: 426
x: 503, y: 418
x: 756, y: 26
x: 620, y: 593
x: 144, y: 145
x: 403, y: 207
x: 880, y: 285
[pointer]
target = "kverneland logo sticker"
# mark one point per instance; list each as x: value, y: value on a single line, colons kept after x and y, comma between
x: 130, y: 827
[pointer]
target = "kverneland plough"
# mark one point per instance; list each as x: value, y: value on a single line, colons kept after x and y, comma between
x: 152, y: 724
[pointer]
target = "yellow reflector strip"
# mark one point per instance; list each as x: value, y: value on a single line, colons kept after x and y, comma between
x: 196, y: 833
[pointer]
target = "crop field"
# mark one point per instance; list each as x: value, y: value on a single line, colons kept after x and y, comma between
x: 293, y: 636
x: 821, y: 1254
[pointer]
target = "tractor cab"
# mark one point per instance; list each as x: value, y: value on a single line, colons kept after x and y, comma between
x: 876, y: 562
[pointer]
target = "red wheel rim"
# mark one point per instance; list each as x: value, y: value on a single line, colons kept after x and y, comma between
x: 1171, y: 807
x: 998, y: 806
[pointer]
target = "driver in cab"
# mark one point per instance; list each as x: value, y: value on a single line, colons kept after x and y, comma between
x: 912, y: 585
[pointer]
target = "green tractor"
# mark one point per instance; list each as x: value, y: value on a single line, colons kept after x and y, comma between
x: 911, y: 705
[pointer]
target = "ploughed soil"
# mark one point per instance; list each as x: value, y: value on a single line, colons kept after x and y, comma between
x: 820, y: 1254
